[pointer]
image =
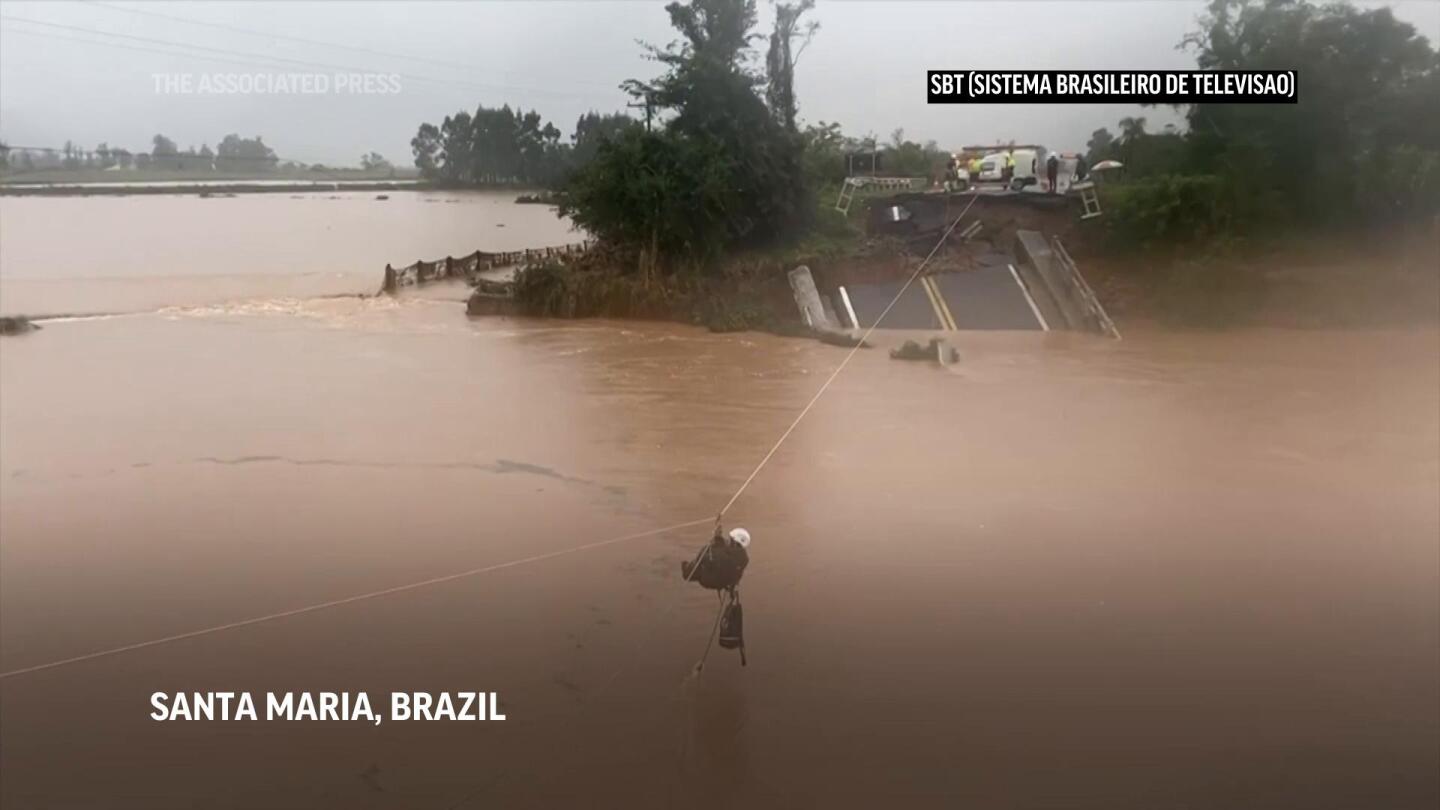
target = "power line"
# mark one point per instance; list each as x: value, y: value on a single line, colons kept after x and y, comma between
x: 843, y: 363
x: 140, y: 49
x: 249, y: 55
x: 284, y: 614
x: 304, y: 41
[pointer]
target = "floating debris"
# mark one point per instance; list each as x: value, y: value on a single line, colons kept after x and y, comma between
x: 938, y: 350
x: 17, y: 325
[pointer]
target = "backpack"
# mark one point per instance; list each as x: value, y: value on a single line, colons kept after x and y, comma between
x: 732, y: 627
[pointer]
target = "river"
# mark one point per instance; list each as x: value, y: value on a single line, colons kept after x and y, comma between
x: 1183, y: 569
x: 104, y: 255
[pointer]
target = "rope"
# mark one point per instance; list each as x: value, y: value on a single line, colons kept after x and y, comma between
x: 700, y: 665
x: 346, y: 600
x: 845, y: 362
x: 724, y: 603
x: 284, y: 614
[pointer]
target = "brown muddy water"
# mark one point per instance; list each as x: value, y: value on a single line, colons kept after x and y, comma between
x: 89, y: 255
x: 1178, y: 571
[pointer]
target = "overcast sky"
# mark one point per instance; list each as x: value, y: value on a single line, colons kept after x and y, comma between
x: 89, y: 72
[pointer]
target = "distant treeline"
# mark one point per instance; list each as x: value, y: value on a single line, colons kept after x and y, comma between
x: 509, y: 147
x: 722, y: 164
x: 233, y: 155
x: 830, y: 155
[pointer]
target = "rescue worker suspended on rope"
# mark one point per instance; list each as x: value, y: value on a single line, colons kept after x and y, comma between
x: 719, y: 567
x: 721, y: 563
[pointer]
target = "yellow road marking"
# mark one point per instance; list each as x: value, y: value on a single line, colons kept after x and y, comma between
x: 937, y: 300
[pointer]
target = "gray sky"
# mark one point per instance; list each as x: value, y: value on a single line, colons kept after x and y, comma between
x: 865, y: 68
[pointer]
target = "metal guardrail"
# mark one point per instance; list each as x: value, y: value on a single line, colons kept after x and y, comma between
x: 1087, y: 295
x: 852, y: 185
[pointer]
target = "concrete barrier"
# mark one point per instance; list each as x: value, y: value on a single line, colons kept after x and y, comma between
x: 812, y: 309
x: 1056, y: 287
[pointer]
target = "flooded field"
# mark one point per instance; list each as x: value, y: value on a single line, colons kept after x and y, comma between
x: 1175, y: 571
x: 88, y: 255
x: 1182, y: 570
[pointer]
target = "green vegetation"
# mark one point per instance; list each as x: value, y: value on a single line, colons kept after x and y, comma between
x: 724, y: 169
x: 703, y: 210
x: 831, y: 156
x: 503, y: 147
x: 1358, y: 154
x: 1362, y: 146
x: 233, y: 158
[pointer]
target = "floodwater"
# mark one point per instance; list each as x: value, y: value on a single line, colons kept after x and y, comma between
x: 1182, y: 570
x: 105, y: 255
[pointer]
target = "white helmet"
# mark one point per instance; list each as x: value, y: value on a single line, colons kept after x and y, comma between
x: 740, y: 537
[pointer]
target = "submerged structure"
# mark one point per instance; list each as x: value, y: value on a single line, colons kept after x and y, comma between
x: 999, y: 269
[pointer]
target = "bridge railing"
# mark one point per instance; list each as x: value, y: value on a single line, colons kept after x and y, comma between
x: 1101, y: 318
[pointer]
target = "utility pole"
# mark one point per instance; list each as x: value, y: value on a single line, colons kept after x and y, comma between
x: 648, y: 109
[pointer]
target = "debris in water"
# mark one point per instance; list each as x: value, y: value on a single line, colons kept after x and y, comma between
x: 17, y: 325
x: 937, y: 350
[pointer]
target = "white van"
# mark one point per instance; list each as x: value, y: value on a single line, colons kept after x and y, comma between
x: 1029, y: 168
x: 992, y: 167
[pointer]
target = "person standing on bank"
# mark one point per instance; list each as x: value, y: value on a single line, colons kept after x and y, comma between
x: 1052, y: 172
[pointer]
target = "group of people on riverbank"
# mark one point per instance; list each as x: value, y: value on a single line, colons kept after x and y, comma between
x: 1014, y: 168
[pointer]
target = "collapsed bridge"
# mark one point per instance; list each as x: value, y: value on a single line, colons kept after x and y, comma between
x: 998, y: 277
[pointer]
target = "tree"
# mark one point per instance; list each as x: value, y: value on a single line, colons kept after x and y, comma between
x: 825, y: 148
x: 426, y: 148
x: 1367, y: 102
x: 1099, y: 146
x: 591, y: 130
x: 1131, y: 130
x: 716, y: 116
x: 490, y: 147
x: 235, y: 153
x: 374, y: 161
x: 782, y: 56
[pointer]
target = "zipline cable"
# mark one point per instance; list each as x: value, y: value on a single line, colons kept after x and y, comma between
x: 944, y: 236
x: 525, y: 560
x: 348, y: 599
x: 700, y: 664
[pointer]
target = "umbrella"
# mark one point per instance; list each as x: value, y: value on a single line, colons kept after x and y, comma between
x: 1107, y: 165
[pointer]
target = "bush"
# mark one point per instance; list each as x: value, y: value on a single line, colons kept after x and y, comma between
x: 1405, y: 185
x: 555, y: 290
x: 1179, y: 211
x: 662, y: 192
